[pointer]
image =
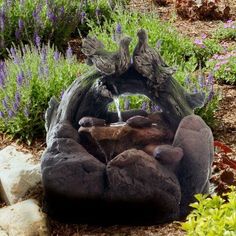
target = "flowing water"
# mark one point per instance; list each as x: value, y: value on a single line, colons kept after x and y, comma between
x: 117, y: 104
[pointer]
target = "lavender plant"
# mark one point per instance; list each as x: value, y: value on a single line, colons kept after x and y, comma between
x: 28, y: 79
x: 54, y: 20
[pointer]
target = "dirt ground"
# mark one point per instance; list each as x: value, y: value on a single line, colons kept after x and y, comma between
x: 225, y: 131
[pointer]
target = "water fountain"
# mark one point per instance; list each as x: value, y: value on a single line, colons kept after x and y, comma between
x: 145, y: 170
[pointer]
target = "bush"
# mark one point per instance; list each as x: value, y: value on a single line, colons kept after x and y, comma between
x: 212, y: 216
x: 54, y: 20
x: 27, y: 81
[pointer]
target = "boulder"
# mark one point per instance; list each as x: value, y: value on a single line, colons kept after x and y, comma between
x: 23, y: 219
x: 194, y: 171
x: 139, y: 179
x: 18, y: 173
x: 139, y: 122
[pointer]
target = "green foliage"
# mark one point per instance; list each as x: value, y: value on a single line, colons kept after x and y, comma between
x: 227, y: 31
x: 54, y: 20
x: 212, y: 216
x: 28, y: 80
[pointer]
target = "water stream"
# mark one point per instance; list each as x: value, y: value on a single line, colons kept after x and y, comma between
x: 117, y: 104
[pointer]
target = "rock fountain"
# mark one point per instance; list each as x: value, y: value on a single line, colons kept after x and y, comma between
x: 144, y: 170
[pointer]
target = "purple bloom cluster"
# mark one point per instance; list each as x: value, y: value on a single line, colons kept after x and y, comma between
x: 230, y: 24
x: 223, y: 59
x: 200, y: 41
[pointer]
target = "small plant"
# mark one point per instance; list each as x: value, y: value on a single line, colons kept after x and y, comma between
x: 212, y: 215
x: 227, y: 31
x: 223, y: 66
x: 27, y: 81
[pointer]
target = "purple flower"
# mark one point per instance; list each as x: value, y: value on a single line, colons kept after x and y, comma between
x: 51, y: 16
x: 158, y: 44
x: 26, y: 112
x: 203, y: 36
x: 199, y: 42
x: 17, y: 34
x: 187, y: 80
x: 210, y: 96
x: 210, y: 79
x: 17, y: 97
x: 4, y: 103
x: 69, y: 53
x: 144, y: 106
x: 56, y: 55
x: 97, y: 12
x: 20, y: 24
x: 118, y: 28
x: 83, y: 16
x: 20, y: 78
x: 10, y: 113
x: 201, y: 81
x: 36, y: 39
x: 195, y: 90
x: 15, y: 106
x: 2, y: 19
x: 13, y: 55
x: 62, y: 10
x: 1, y: 114
x: 2, y: 78
x: 43, y: 55
x: 127, y: 104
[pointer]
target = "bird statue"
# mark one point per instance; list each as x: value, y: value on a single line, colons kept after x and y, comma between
x: 107, y: 62
x: 147, y: 60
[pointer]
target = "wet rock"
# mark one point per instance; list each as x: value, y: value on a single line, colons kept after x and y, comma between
x: 107, y: 142
x: 139, y: 122
x: 18, y: 173
x: 91, y: 121
x: 23, y: 219
x: 196, y: 140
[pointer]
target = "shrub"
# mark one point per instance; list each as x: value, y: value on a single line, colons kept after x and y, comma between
x: 54, y: 20
x: 27, y: 81
x: 212, y: 215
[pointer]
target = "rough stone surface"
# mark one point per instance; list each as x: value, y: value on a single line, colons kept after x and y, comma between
x: 107, y: 142
x: 23, y: 219
x: 91, y: 121
x: 17, y: 174
x: 128, y: 176
x: 139, y: 122
x: 194, y: 171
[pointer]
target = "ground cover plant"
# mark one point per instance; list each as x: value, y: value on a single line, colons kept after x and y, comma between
x: 54, y: 20
x: 31, y: 76
x: 212, y: 215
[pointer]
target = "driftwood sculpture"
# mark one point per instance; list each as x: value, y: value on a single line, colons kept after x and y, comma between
x: 145, y: 171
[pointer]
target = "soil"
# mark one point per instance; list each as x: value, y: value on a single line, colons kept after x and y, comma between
x: 224, y: 131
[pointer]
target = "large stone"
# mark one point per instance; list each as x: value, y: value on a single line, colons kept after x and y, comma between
x: 137, y: 178
x: 18, y: 173
x: 23, y: 219
x: 194, y: 171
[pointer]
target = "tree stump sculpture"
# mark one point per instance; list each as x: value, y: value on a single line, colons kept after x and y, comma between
x: 157, y: 162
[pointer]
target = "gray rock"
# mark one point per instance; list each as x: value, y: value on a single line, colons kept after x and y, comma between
x: 139, y: 122
x: 134, y: 176
x: 23, y: 219
x: 194, y: 171
x: 18, y: 173
x: 91, y: 121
